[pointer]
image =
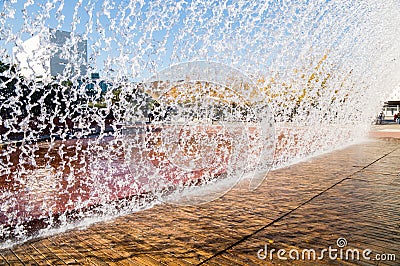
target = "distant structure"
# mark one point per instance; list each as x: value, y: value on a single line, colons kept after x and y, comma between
x: 392, y: 106
x: 52, y: 53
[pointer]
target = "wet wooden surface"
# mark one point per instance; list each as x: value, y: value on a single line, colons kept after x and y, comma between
x: 351, y: 193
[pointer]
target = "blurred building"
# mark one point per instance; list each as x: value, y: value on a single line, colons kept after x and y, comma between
x: 392, y: 106
x: 51, y: 54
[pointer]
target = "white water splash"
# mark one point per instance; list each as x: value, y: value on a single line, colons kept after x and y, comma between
x: 78, y: 146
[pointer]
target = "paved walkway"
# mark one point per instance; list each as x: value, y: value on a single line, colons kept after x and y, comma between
x: 386, y: 131
x: 352, y: 194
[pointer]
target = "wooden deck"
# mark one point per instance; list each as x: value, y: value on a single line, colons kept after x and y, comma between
x: 352, y: 194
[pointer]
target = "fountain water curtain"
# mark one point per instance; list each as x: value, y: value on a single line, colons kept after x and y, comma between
x: 109, y: 107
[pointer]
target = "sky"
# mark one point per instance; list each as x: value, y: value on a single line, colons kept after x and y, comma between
x: 139, y: 38
x: 132, y: 40
x: 72, y: 16
x: 135, y: 38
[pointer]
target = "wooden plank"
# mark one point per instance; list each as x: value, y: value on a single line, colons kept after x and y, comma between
x: 10, y: 258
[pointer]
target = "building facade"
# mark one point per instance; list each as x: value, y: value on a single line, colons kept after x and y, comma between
x: 392, y: 106
x: 52, y: 54
x: 390, y: 109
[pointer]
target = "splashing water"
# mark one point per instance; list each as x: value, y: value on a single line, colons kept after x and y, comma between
x: 111, y: 107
